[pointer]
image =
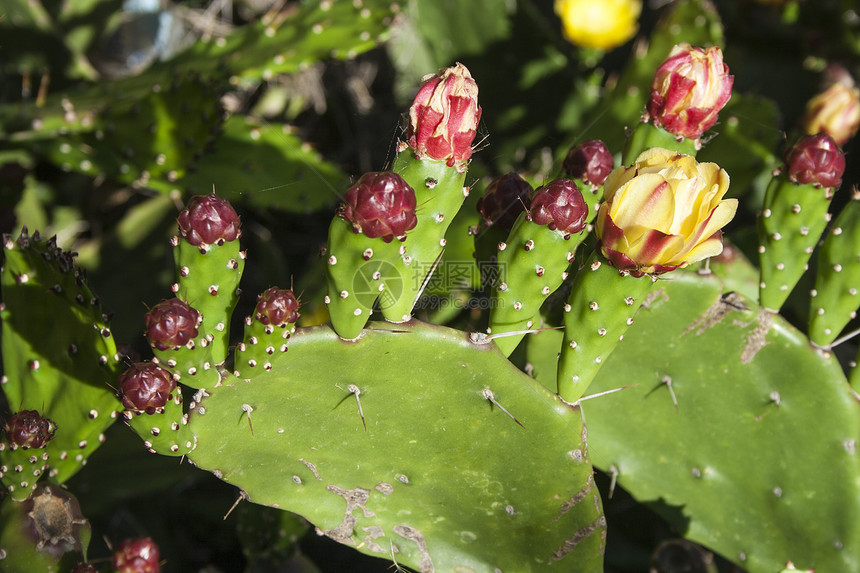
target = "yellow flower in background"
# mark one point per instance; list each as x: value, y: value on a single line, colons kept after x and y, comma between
x: 603, y: 24
x: 663, y: 212
x: 835, y: 111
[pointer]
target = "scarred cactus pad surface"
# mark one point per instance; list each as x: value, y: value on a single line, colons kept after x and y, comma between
x: 489, y: 473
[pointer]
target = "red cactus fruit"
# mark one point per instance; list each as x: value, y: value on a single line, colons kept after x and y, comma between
x: 171, y: 323
x: 559, y: 205
x: 816, y: 159
x: 589, y: 161
x: 380, y: 205
x: 139, y: 555
x: 208, y: 219
x: 27, y: 429
x: 277, y: 306
x: 504, y: 199
x: 145, y: 387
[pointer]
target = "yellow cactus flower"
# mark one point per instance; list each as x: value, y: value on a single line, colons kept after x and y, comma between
x: 663, y: 212
x: 603, y: 24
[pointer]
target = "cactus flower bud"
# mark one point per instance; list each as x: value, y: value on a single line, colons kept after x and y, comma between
x: 815, y: 159
x: 689, y: 90
x: 443, y: 119
x: 835, y: 111
x: 603, y: 25
x: 559, y: 205
x: 277, y: 307
x: 84, y: 568
x: 136, y: 556
x: 665, y: 211
x: 589, y: 161
x: 210, y: 220
x: 145, y: 387
x: 380, y: 205
x: 504, y: 199
x: 27, y: 429
x: 171, y: 323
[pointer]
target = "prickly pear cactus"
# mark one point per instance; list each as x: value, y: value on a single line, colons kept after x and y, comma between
x: 321, y: 434
x: 325, y: 415
x: 712, y: 417
x: 65, y: 373
x: 835, y: 300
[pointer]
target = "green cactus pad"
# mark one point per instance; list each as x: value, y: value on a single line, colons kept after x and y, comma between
x: 837, y: 285
x: 439, y: 194
x: 148, y: 140
x: 762, y: 442
x: 360, y: 270
x: 208, y: 280
x: 598, y: 312
x: 791, y: 222
x: 240, y: 166
x: 60, y: 357
x: 261, y: 347
x: 392, y: 444
x: 532, y: 266
x: 167, y: 432
x: 287, y: 43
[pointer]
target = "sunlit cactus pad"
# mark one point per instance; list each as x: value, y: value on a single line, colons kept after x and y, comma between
x: 762, y: 444
x: 62, y: 372
x: 443, y: 458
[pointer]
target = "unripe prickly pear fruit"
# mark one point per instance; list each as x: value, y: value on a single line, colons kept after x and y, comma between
x: 171, y: 324
x: 136, y: 556
x: 145, y: 387
x: 209, y: 220
x: 27, y: 429
x: 589, y: 161
x: 816, y: 160
x: 380, y: 205
x: 277, y: 307
x: 504, y: 199
x: 559, y: 205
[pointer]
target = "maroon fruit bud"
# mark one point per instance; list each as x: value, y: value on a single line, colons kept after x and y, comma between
x: 277, y: 306
x: 136, y: 556
x: 27, y: 429
x: 503, y: 201
x: 84, y: 568
x: 171, y: 323
x: 816, y: 159
x: 145, y: 387
x: 559, y: 205
x: 380, y: 205
x: 208, y: 219
x: 589, y: 161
